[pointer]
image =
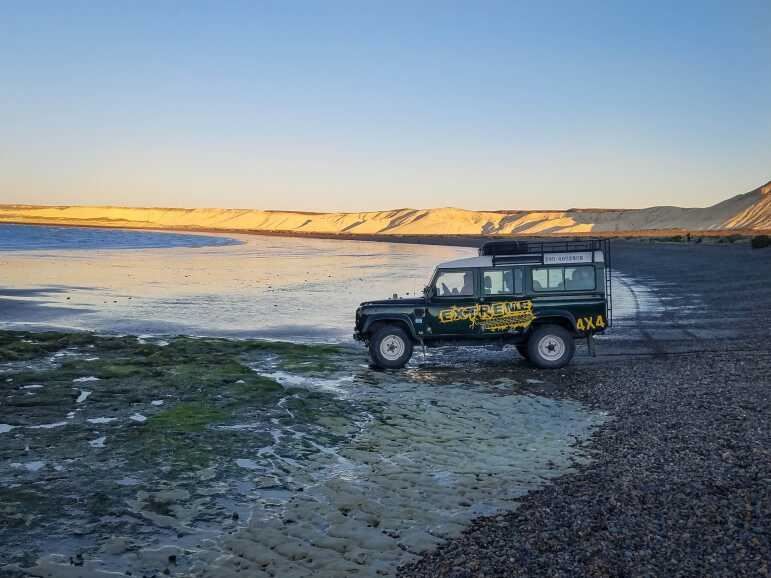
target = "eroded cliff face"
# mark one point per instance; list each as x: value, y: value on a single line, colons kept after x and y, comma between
x: 757, y: 214
x: 747, y: 211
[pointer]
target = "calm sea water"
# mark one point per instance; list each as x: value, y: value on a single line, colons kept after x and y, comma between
x: 232, y: 285
x: 34, y: 237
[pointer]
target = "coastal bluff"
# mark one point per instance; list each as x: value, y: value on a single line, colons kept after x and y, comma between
x: 748, y: 211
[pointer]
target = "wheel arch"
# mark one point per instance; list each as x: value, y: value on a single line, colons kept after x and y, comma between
x: 371, y: 325
x: 562, y: 318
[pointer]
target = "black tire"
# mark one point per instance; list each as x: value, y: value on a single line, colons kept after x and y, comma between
x: 550, y: 347
x: 390, y: 347
x: 522, y: 350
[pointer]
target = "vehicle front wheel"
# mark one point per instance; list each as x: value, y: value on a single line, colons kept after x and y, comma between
x: 390, y: 347
x: 550, y: 347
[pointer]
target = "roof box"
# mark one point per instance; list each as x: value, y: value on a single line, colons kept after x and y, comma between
x: 503, y: 248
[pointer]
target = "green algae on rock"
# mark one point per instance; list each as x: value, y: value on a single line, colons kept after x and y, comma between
x: 104, y: 418
x: 185, y: 417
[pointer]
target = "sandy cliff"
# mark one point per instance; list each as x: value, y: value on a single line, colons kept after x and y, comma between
x: 747, y: 211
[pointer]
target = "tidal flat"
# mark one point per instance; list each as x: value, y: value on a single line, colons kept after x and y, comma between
x: 217, y: 457
x: 240, y: 286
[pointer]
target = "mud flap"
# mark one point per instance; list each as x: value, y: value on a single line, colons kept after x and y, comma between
x: 590, y: 344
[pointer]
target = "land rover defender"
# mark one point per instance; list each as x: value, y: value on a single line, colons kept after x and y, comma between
x: 539, y: 296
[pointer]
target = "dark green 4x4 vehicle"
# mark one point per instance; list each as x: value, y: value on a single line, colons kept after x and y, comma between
x: 538, y: 296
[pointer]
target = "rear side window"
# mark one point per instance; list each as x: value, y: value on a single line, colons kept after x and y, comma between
x: 498, y: 282
x: 549, y: 279
x: 563, y: 278
x: 579, y: 278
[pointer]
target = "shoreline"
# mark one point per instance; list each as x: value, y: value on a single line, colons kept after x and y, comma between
x: 474, y: 241
x: 677, y: 484
x: 676, y: 481
x: 674, y: 487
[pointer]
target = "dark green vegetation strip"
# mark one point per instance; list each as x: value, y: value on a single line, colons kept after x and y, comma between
x: 20, y: 346
x: 210, y: 379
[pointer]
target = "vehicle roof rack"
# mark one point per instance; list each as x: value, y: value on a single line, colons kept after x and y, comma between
x: 518, y: 252
x: 519, y: 247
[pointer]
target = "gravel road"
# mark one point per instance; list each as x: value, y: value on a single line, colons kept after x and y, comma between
x: 680, y: 484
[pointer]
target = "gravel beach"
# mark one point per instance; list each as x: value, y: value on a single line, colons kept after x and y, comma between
x: 680, y: 483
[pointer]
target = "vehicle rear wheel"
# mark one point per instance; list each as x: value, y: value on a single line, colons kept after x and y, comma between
x: 390, y: 347
x: 550, y: 347
x: 522, y: 350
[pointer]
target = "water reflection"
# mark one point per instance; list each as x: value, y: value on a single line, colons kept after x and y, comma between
x: 280, y: 287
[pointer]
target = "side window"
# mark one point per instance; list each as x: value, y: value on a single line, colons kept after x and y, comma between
x: 556, y: 279
x: 499, y: 282
x: 548, y: 279
x: 540, y: 279
x: 578, y: 278
x: 451, y: 283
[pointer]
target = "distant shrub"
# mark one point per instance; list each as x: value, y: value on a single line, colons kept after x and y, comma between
x: 675, y: 239
x: 697, y: 240
x: 729, y: 239
x: 760, y: 242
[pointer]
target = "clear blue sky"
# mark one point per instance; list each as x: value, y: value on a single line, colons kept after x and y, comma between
x: 374, y: 105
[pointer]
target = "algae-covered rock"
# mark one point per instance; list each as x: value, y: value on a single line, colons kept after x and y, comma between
x: 185, y: 417
x: 123, y: 425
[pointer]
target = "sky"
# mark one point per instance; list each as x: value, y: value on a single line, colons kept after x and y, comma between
x: 364, y: 105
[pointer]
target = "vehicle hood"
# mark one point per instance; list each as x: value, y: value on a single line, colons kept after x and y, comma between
x: 408, y: 302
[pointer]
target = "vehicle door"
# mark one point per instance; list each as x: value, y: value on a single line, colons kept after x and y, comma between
x: 503, y: 307
x: 453, y: 303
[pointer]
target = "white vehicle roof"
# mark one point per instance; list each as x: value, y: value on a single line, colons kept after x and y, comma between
x: 549, y: 259
x: 486, y: 261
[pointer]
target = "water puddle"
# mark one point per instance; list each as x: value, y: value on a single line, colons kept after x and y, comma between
x: 428, y: 460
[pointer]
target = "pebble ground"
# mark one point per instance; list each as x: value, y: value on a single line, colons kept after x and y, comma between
x: 680, y: 481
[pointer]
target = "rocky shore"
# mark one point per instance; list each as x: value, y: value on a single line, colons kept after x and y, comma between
x: 680, y: 483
